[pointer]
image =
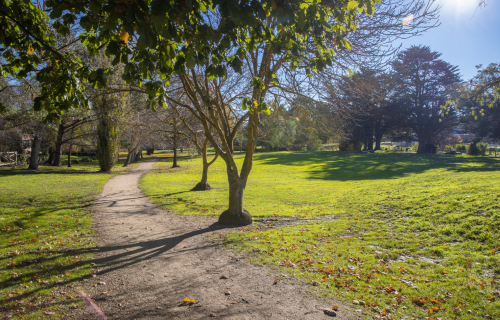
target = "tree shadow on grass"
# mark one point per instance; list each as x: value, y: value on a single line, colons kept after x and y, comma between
x: 345, y: 166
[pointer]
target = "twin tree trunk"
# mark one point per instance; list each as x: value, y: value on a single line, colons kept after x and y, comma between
x: 236, y: 214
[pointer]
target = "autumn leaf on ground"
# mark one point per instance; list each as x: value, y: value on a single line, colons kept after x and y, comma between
x: 188, y: 301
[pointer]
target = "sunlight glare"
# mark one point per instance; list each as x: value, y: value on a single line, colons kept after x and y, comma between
x: 459, y: 6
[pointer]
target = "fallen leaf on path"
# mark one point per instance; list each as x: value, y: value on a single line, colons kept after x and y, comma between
x: 188, y: 301
x: 276, y: 281
x: 223, y: 277
x: 102, y: 283
x: 227, y: 293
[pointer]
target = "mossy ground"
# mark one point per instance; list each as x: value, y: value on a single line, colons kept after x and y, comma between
x: 414, y: 236
x: 46, y: 240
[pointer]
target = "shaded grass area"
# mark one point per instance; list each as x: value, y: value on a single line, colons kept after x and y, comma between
x: 46, y: 240
x: 414, y: 236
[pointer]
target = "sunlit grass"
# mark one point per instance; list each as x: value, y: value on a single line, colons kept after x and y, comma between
x: 46, y: 240
x: 407, y: 226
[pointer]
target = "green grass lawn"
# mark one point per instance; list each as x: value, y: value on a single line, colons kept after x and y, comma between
x: 46, y: 240
x: 414, y: 236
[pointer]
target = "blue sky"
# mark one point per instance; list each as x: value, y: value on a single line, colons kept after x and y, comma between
x: 468, y: 36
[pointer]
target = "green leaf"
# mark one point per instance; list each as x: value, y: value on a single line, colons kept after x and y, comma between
x: 263, y: 107
x: 352, y: 4
x: 236, y: 64
x: 258, y: 84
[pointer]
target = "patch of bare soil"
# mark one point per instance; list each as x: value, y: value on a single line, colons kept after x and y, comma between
x: 150, y: 260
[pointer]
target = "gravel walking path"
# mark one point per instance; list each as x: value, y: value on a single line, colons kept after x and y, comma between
x: 149, y: 260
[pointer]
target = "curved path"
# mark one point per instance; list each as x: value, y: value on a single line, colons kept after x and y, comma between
x: 150, y: 260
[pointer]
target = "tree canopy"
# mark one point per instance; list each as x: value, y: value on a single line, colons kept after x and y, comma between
x: 155, y: 39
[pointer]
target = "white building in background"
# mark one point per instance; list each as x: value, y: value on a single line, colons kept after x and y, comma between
x: 405, y: 144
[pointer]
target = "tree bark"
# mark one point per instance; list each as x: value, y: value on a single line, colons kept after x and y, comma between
x: 52, y: 155
x: 370, y: 140
x: 35, y: 148
x: 138, y: 155
x: 378, y: 140
x: 69, y: 154
x: 235, y: 214
x: 175, y: 165
x: 59, y: 143
x: 130, y: 156
x: 421, y: 145
x: 203, y: 184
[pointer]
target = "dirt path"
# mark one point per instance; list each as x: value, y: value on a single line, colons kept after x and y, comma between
x: 150, y: 259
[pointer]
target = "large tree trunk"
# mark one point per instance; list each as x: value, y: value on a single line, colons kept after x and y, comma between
x: 378, y: 141
x: 235, y: 214
x: 59, y: 143
x: 130, y: 157
x: 175, y: 165
x: 35, y: 148
x: 370, y: 139
x: 421, y: 145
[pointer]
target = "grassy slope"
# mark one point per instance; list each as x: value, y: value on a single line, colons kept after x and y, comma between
x: 415, y: 235
x: 46, y: 238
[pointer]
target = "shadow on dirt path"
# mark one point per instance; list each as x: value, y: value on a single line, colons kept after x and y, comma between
x: 150, y: 260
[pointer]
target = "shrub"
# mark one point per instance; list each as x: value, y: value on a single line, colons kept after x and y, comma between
x: 414, y: 147
x: 481, y: 147
x: 349, y: 146
x: 461, y: 147
x: 23, y: 158
x: 472, y: 149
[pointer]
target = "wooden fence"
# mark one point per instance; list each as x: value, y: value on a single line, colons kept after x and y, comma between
x: 7, y: 158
